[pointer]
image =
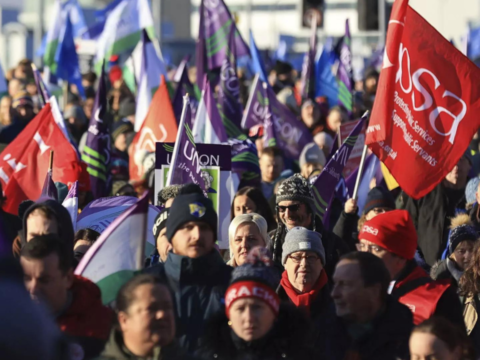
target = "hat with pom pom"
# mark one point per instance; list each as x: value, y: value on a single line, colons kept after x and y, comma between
x: 254, y: 279
x: 461, y: 229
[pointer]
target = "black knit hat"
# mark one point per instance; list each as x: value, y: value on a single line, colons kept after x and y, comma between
x: 258, y: 267
x: 296, y: 188
x: 121, y: 127
x: 379, y: 197
x: 191, y: 207
x: 461, y: 229
x: 160, y: 223
x: 126, y: 108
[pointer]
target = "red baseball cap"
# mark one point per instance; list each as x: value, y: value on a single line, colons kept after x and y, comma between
x: 393, y: 231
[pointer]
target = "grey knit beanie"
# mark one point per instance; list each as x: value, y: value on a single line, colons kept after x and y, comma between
x: 296, y: 188
x: 302, y: 239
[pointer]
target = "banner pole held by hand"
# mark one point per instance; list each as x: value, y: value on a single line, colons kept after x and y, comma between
x: 50, y: 165
x: 360, y: 168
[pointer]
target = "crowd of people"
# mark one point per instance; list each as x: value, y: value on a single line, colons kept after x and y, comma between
x: 398, y: 280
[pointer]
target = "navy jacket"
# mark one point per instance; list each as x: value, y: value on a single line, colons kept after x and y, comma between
x: 198, y: 288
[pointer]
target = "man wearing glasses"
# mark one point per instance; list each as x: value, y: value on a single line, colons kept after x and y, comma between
x: 304, y: 281
x: 391, y: 236
x: 295, y: 207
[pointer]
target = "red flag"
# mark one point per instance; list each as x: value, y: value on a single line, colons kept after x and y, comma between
x: 24, y: 162
x: 427, y: 104
x: 160, y: 125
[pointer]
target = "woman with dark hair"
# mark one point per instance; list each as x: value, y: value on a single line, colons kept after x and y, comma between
x: 251, y: 200
x: 83, y: 240
x: 437, y: 338
x: 469, y: 286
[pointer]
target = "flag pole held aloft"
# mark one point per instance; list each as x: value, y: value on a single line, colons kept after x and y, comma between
x: 360, y: 167
x: 50, y: 165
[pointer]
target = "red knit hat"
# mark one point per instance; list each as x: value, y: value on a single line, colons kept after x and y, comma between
x: 115, y: 73
x: 393, y: 231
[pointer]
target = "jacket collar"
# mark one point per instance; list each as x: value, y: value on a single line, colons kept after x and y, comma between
x: 199, y: 269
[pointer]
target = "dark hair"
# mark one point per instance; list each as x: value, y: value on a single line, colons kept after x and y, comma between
x: 90, y: 77
x: 272, y: 151
x: 372, y: 270
x: 190, y: 189
x: 451, y: 335
x: 86, y: 234
x: 469, y: 283
x: 44, y: 245
x: 125, y: 296
x: 263, y: 208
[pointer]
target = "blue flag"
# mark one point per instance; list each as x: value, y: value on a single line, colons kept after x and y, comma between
x: 326, y: 83
x: 66, y: 58
x: 257, y: 63
x: 473, y: 43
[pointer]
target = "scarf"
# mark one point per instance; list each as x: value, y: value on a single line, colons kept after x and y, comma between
x: 303, y: 300
x: 457, y: 274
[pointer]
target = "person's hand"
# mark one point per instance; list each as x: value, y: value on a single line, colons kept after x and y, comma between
x: 351, y: 206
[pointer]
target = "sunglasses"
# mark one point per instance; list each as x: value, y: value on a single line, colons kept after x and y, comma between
x: 291, y: 208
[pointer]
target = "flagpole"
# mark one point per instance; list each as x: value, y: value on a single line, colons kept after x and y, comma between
x: 250, y: 98
x: 50, y: 165
x: 186, y: 102
x: 360, y: 167
x: 65, y: 95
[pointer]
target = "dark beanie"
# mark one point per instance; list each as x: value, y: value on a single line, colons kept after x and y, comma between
x: 121, y: 127
x: 160, y: 223
x: 461, y: 229
x: 126, y: 108
x: 191, y: 207
x: 379, y: 197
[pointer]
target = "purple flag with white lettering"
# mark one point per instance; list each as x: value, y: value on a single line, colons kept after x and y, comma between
x: 185, y: 164
x: 290, y: 134
x: 96, y: 152
x: 184, y: 86
x: 308, y: 68
x: 215, y: 22
x: 49, y: 189
x: 326, y: 183
x: 345, y: 72
x: 230, y: 108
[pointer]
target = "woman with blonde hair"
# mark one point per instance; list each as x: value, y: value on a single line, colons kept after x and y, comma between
x: 246, y: 231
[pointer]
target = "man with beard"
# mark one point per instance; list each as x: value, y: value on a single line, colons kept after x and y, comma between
x: 22, y: 106
x: 295, y: 207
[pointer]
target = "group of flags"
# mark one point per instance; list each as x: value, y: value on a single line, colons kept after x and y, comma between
x: 445, y: 117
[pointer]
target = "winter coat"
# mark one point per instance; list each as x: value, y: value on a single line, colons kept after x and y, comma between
x: 431, y: 216
x: 198, y: 287
x: 346, y: 229
x: 475, y: 216
x: 86, y: 321
x: 290, y: 338
x: 385, y: 338
x: 116, y: 350
x: 10, y: 225
x: 447, y: 306
x: 333, y: 245
x: 446, y: 269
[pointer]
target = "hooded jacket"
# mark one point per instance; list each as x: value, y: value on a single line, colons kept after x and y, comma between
x: 198, y: 287
x: 290, y: 338
x: 385, y: 338
x: 86, y: 321
x: 116, y: 350
x: 64, y: 221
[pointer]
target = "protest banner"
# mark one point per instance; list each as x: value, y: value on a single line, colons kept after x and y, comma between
x: 356, y: 154
x: 216, y: 164
x: 100, y: 213
x: 426, y: 109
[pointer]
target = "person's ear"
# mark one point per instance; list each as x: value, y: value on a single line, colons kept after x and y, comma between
x: 122, y: 319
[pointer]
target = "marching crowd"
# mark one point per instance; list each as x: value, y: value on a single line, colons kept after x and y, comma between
x: 399, y: 280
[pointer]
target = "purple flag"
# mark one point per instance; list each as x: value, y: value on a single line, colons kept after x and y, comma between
x: 230, y: 107
x: 41, y: 87
x: 96, y: 152
x: 71, y: 203
x: 185, y: 164
x: 308, y: 68
x: 244, y: 157
x: 326, y: 183
x: 290, y: 134
x: 49, y: 189
x: 345, y: 72
x: 215, y: 22
x: 184, y: 86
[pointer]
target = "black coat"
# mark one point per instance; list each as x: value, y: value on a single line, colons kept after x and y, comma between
x: 10, y: 225
x: 290, y: 338
x: 431, y: 216
x: 386, y: 340
x: 333, y: 245
x: 346, y: 229
x: 198, y: 288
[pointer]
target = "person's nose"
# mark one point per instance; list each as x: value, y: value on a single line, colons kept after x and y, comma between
x: 244, y: 210
x: 335, y: 292
x: 195, y: 233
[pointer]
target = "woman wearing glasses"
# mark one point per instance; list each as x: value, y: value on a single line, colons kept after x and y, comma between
x: 304, y: 282
x: 379, y: 200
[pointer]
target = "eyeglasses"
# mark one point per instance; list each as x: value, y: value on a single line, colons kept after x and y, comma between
x: 310, y: 259
x: 369, y: 248
x: 291, y: 208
